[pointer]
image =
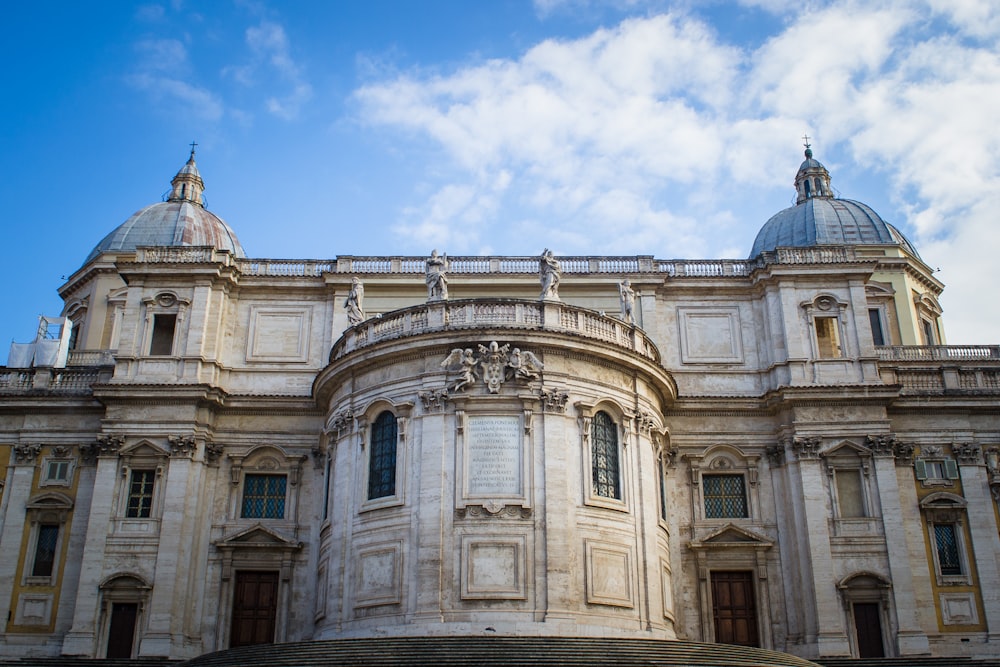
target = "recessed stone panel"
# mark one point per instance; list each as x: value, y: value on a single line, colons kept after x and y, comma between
x: 279, y: 334
x: 493, y: 567
x: 609, y: 574
x: 710, y: 335
x: 377, y: 579
x: 959, y: 609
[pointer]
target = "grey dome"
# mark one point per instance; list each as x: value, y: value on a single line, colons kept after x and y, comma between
x: 182, y: 220
x: 818, y: 218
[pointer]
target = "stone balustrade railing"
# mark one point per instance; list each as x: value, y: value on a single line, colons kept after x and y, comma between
x: 466, y: 265
x: 90, y: 358
x: 52, y: 380
x: 939, y: 352
x: 495, y: 313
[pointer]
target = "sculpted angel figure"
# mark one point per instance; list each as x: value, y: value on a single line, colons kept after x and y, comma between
x: 466, y: 362
x: 549, y: 274
x: 437, y: 276
x: 627, y: 297
x: 354, y: 304
x: 525, y: 365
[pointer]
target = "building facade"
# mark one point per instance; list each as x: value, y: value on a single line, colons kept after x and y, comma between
x: 207, y: 450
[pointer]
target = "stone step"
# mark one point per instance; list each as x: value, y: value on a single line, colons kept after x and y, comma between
x: 487, y: 651
x: 919, y: 661
x: 72, y: 661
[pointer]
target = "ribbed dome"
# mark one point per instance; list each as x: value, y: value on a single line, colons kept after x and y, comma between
x: 182, y: 220
x: 818, y: 218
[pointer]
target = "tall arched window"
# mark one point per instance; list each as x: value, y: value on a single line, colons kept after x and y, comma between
x: 604, y: 446
x: 382, y: 457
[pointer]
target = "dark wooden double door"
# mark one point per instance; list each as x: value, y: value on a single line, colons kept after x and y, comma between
x: 255, y: 606
x: 868, y: 626
x: 734, y: 610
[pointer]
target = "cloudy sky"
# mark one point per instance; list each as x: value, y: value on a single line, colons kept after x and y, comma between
x: 586, y: 126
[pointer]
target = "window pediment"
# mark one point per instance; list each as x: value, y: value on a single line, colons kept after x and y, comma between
x: 258, y: 536
x: 732, y: 536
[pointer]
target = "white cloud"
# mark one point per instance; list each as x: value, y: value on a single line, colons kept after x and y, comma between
x: 269, y: 45
x: 648, y: 136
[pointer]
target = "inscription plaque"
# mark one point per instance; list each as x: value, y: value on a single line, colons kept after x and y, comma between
x: 494, y: 455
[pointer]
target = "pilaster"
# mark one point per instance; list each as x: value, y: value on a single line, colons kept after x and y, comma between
x: 982, y: 531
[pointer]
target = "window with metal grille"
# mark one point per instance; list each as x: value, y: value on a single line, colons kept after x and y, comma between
x: 45, y: 550
x: 725, y: 496
x: 263, y: 497
x: 140, y: 494
x: 946, y: 540
x: 606, y: 469
x: 382, y: 457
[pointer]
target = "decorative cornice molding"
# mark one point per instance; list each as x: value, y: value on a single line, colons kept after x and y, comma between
x: 26, y: 454
x: 968, y: 454
x: 553, y: 400
x: 434, y: 400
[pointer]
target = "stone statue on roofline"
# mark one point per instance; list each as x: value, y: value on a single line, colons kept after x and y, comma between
x: 627, y: 297
x: 437, y: 277
x: 549, y: 273
x: 354, y: 304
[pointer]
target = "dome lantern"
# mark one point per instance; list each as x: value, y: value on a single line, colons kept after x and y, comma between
x: 812, y: 179
x: 187, y: 184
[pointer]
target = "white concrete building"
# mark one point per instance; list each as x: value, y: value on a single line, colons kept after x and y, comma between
x: 777, y: 451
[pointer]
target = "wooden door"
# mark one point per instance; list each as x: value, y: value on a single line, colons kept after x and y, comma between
x: 121, y: 629
x: 868, y: 625
x: 255, y: 602
x: 733, y: 608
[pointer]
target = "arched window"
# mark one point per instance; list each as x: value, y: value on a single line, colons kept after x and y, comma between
x: 605, y: 464
x: 382, y: 458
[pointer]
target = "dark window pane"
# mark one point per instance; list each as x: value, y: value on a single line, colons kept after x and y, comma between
x: 946, y: 539
x: 140, y: 494
x: 263, y: 497
x: 382, y: 458
x: 876, y: 321
x: 162, y: 343
x: 604, y: 444
x: 725, y: 496
x: 45, y: 550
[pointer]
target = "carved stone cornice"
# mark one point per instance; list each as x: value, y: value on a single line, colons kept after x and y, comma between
x: 26, y: 454
x: 806, y: 448
x: 434, y: 400
x: 903, y: 451
x: 182, y: 446
x: 342, y: 422
x: 968, y: 454
x: 882, y: 446
x: 775, y: 455
x: 646, y: 422
x: 493, y: 511
x: 553, y: 400
x: 213, y: 452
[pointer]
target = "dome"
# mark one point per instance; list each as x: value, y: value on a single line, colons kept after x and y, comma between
x: 819, y: 218
x: 182, y: 220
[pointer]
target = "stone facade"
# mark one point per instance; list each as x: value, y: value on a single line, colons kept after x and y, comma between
x: 766, y: 451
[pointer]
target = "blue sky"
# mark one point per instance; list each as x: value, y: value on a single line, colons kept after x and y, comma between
x: 586, y: 126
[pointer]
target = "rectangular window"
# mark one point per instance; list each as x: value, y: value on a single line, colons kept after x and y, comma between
x: 57, y: 471
x: 45, y: 550
x: 140, y: 494
x: 931, y: 470
x: 850, y: 494
x: 878, y: 331
x: 928, y: 330
x: 828, y: 338
x: 725, y: 496
x: 946, y: 542
x: 162, y: 343
x: 662, y: 471
x: 264, y: 497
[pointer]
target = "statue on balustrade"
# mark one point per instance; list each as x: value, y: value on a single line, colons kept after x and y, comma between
x: 550, y: 274
x: 437, y: 277
x: 354, y: 304
x: 627, y: 297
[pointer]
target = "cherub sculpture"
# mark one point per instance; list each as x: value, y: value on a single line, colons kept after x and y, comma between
x: 524, y: 365
x: 466, y: 363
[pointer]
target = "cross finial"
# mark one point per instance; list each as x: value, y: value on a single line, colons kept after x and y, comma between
x: 193, y: 144
x: 806, y: 139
